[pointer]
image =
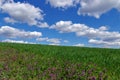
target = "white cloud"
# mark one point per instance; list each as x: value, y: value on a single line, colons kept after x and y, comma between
x: 103, y: 28
x: 42, y: 25
x: 50, y: 40
x: 101, y: 33
x: 81, y: 45
x: 42, y: 39
x: 54, y: 40
x: 54, y: 44
x: 23, y: 13
x: 62, y: 3
x: 105, y: 43
x: 17, y: 41
x: 10, y: 32
x: 87, y: 7
x: 14, y: 41
x: 97, y: 7
x: 63, y: 26
x: 30, y: 16
x: 84, y: 30
x: 10, y: 20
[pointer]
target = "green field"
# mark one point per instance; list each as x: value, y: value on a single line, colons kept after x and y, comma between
x: 43, y: 62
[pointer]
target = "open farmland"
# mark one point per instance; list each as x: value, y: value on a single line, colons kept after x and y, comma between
x: 43, y: 62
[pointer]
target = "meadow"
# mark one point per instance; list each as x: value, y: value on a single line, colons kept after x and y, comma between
x: 45, y: 62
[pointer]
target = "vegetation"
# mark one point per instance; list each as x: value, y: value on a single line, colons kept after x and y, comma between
x: 43, y: 62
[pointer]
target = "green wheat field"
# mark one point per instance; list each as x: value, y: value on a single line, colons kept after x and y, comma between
x: 45, y: 62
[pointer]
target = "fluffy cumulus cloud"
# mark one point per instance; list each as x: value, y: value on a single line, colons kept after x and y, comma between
x: 87, y: 7
x: 50, y: 40
x: 17, y: 41
x: 101, y: 33
x: 23, y: 13
x: 62, y: 3
x: 10, y: 32
x: 97, y: 7
x: 80, y: 29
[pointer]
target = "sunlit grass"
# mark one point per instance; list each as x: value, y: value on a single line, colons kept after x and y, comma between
x: 42, y: 62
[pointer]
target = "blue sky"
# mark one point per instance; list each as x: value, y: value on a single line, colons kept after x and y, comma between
x: 61, y: 22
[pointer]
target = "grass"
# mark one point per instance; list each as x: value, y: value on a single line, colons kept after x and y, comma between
x: 43, y: 62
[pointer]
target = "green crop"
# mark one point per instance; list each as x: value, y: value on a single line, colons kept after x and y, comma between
x: 44, y: 62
